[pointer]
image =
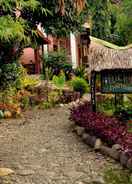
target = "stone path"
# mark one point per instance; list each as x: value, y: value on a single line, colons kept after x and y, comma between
x: 42, y: 149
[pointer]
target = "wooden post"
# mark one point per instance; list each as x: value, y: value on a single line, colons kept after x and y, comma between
x: 93, y: 90
x: 37, y: 61
x: 115, y: 101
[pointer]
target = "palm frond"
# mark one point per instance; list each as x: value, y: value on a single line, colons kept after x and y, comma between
x: 78, y: 4
x: 11, y: 29
x: 6, y: 4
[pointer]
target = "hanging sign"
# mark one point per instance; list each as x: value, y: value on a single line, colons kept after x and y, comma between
x: 116, y: 81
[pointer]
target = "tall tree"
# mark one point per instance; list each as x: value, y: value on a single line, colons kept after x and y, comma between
x: 124, y: 22
x: 100, y: 18
x: 19, y: 19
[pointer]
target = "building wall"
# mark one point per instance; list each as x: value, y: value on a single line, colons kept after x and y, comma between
x: 31, y: 60
x: 77, y: 51
x: 70, y: 44
x: 28, y: 56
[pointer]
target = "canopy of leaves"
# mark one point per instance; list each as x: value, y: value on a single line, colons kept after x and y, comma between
x: 10, y: 29
x: 124, y: 22
x: 19, y: 20
x: 111, y: 20
x: 56, y: 16
x: 100, y: 19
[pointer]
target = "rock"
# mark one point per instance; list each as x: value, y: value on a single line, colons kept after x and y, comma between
x: 116, y: 147
x: 79, y: 182
x: 98, y: 144
x: 43, y: 150
x: 25, y: 172
x: 110, y: 152
x: 5, y: 171
x: 79, y: 130
x: 61, y: 105
x: 99, y: 180
x: 129, y: 164
x: 124, y: 159
x: 85, y: 136
x: 88, y: 139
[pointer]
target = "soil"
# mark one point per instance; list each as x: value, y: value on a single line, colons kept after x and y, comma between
x: 41, y: 148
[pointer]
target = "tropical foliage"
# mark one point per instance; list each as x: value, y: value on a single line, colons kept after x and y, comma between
x: 123, y: 25
x: 111, y: 20
x: 19, y: 20
x: 56, y: 62
x: 80, y: 85
x: 109, y: 129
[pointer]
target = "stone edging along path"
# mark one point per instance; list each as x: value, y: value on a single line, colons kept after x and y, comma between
x: 113, y: 152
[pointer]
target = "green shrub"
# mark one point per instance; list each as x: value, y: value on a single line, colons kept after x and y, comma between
x: 46, y: 105
x: 106, y: 103
x: 80, y: 85
x: 25, y: 102
x: 81, y: 72
x: 47, y: 73
x: 53, y: 98
x: 59, y: 81
x: 10, y: 76
x: 56, y: 61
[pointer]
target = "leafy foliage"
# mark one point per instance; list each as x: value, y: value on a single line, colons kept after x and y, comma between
x: 16, y: 29
x: 109, y: 129
x: 55, y: 62
x: 111, y: 20
x: 80, y: 85
x: 114, y: 176
x: 100, y: 18
x: 59, y: 81
x: 81, y: 72
x: 124, y: 22
x: 9, y: 75
x: 49, y: 13
x: 63, y: 18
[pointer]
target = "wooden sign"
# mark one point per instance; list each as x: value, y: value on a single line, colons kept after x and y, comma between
x: 116, y: 81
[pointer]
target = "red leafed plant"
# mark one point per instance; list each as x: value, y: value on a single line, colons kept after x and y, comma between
x: 109, y: 129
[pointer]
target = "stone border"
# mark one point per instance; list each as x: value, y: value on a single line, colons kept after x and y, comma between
x: 96, y: 143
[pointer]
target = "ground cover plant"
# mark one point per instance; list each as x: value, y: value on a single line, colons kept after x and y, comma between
x: 80, y: 85
x: 116, y: 176
x: 106, y: 103
x: 81, y: 72
x: 122, y: 109
x: 109, y: 129
x: 15, y: 94
x: 32, y: 92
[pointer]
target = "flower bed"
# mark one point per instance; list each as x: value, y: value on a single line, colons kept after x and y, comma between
x: 109, y: 129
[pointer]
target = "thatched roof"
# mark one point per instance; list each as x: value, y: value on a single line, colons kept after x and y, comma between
x: 101, y: 57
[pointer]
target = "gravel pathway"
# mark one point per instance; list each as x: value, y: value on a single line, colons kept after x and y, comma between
x: 42, y: 149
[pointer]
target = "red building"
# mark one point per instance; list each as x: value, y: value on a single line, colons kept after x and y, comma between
x: 76, y: 47
x: 31, y: 58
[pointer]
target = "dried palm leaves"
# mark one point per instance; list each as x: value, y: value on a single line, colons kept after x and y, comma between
x: 79, y: 5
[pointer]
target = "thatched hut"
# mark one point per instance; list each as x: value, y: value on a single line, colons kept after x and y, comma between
x: 103, y: 56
